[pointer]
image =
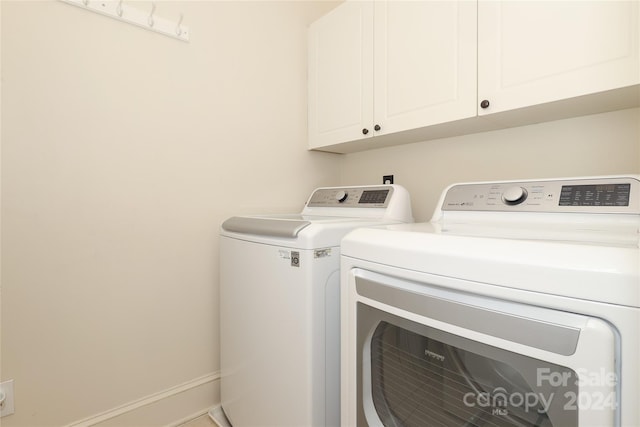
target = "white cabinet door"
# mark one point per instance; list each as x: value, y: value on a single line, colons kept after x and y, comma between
x: 425, y: 63
x: 378, y: 68
x: 535, y: 52
x: 341, y: 75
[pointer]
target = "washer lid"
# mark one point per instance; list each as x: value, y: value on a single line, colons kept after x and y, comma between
x: 265, y: 226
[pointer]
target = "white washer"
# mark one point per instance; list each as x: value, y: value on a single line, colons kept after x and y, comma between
x: 518, y: 304
x: 279, y: 305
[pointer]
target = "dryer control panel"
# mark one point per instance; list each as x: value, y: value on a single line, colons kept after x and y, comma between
x: 586, y: 195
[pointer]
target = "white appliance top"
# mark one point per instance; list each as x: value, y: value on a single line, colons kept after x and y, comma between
x: 328, y: 214
x: 575, y: 237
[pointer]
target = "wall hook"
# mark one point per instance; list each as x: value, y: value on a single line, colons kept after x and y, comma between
x: 178, y: 29
x: 153, y: 10
x: 145, y: 17
x: 119, y: 10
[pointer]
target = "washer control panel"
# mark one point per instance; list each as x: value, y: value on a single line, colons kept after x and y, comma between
x: 351, y: 197
x: 596, y: 195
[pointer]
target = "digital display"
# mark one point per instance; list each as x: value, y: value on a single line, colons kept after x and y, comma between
x: 595, y: 195
x: 374, y: 196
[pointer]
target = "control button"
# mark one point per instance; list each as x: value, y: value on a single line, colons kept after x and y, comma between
x: 514, y: 195
x: 341, y: 196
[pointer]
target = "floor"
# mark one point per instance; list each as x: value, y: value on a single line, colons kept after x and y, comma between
x: 202, y: 421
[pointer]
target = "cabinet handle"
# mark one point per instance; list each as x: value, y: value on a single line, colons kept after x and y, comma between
x: 484, y: 103
x: 376, y: 127
x: 365, y: 131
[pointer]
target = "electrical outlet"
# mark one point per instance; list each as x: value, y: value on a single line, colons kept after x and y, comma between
x: 387, y: 179
x: 6, y: 398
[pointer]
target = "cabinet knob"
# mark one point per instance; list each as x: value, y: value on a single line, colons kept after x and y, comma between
x: 365, y: 131
x: 376, y: 127
x: 484, y: 103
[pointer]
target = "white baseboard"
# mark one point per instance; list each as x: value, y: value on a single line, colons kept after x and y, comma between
x: 218, y: 416
x: 170, y: 407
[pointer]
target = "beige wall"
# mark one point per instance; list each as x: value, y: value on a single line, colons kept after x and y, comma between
x: 122, y: 152
x: 591, y: 145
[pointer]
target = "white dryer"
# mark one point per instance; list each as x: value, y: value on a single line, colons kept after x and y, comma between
x: 517, y: 305
x: 279, y: 305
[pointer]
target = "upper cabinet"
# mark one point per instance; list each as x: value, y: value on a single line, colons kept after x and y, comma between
x: 424, y: 60
x: 340, y: 74
x: 536, y: 52
x: 391, y: 72
x: 379, y: 68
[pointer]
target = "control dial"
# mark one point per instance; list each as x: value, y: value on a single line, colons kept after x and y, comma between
x: 514, y: 195
x: 341, y: 196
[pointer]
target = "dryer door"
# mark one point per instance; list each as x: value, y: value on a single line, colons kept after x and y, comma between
x: 432, y: 356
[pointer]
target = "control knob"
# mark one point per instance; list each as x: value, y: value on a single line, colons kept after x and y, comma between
x: 514, y: 195
x: 341, y: 196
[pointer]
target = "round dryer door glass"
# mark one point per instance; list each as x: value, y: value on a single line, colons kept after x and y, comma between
x: 418, y: 381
